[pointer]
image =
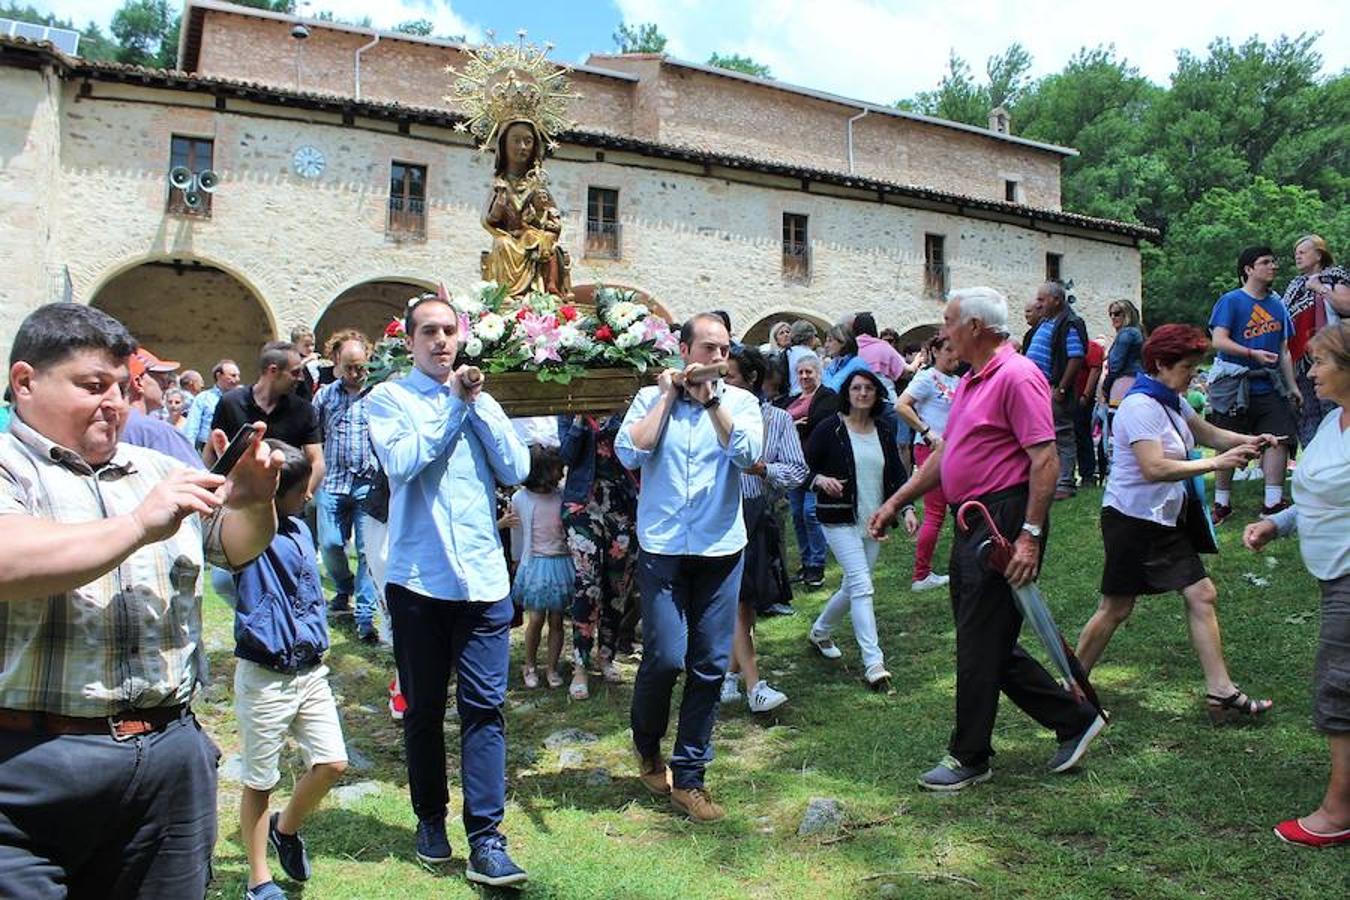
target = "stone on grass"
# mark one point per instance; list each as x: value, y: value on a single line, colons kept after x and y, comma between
x: 358, y: 761
x: 233, y: 768
x: 598, y: 777
x: 567, y: 737
x: 824, y: 815
x: 350, y: 793
x: 571, y: 758
x: 889, y: 889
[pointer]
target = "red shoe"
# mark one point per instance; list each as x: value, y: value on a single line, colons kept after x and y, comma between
x: 1292, y: 831
x: 1221, y: 513
x: 397, y: 705
x: 1272, y: 510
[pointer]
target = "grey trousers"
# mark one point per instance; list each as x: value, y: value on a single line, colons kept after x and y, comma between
x: 1066, y: 443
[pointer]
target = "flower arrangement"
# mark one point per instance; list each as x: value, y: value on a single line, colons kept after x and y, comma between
x: 541, y: 334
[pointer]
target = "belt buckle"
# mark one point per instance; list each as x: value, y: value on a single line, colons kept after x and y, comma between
x: 113, y: 723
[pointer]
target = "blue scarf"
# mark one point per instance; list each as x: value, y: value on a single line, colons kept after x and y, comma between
x: 1152, y: 387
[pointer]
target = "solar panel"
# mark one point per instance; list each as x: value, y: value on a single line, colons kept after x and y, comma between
x: 62, y: 39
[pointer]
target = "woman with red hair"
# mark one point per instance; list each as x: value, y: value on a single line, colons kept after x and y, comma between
x: 1149, y: 549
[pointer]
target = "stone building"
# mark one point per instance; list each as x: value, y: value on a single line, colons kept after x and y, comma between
x: 344, y: 187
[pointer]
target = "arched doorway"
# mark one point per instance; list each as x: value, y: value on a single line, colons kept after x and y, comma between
x: 368, y: 307
x: 189, y: 311
x: 919, y: 334
x: 758, y: 332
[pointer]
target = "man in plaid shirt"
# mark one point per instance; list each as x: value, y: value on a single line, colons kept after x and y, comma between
x: 107, y: 782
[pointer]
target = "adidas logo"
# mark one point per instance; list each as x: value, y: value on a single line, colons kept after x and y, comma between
x: 1261, y: 323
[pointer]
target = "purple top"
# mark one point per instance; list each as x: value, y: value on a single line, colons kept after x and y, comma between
x: 881, y: 357
x: 143, y: 431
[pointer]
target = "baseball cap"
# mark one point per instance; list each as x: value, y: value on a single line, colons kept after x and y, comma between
x: 143, y: 361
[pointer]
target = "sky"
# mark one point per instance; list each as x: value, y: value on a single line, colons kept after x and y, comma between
x: 873, y: 50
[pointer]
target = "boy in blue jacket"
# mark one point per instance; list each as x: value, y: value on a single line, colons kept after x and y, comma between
x: 281, y: 685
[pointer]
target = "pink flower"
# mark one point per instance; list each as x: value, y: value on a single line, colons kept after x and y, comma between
x: 655, y: 329
x: 541, y: 336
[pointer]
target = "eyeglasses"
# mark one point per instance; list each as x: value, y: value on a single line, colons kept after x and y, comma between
x: 1117, y: 313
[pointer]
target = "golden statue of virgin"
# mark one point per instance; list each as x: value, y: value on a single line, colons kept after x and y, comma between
x: 515, y: 100
x: 523, y: 220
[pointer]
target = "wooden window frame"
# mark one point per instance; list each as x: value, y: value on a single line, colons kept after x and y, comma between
x: 175, y: 203
x: 796, y: 247
x: 604, y: 233
x: 936, y: 272
x: 407, y: 215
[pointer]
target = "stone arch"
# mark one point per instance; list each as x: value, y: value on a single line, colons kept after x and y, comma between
x: 758, y: 332
x: 585, y: 294
x: 918, y: 334
x: 368, y: 306
x: 190, y: 310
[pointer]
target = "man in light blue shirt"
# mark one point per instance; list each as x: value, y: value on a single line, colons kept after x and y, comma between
x: 203, y: 410
x: 691, y: 442
x: 445, y: 444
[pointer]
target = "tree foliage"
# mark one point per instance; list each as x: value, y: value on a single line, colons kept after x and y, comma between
x: 738, y: 63
x: 644, y: 38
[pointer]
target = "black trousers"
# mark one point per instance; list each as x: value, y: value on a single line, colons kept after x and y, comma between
x: 84, y: 815
x: 988, y: 657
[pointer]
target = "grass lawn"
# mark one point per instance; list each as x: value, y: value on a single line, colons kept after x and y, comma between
x: 1165, y: 805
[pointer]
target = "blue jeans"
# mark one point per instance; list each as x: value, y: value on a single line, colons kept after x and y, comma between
x: 810, y: 537
x: 433, y: 640
x: 340, y: 516
x: 688, y: 618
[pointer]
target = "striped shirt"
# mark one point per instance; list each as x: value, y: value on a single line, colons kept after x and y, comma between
x: 784, y: 463
x: 347, y: 453
x: 1043, y: 355
x: 129, y: 639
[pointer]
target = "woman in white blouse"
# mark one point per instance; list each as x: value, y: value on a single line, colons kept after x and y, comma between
x: 1148, y: 547
x: 1321, y: 516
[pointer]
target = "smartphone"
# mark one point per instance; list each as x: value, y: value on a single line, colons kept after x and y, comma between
x: 238, y: 444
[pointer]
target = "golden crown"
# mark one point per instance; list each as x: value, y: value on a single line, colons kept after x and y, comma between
x: 503, y: 83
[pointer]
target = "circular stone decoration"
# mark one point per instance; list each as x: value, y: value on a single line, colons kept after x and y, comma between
x: 308, y: 162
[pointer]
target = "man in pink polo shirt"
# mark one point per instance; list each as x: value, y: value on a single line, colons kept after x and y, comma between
x: 999, y: 448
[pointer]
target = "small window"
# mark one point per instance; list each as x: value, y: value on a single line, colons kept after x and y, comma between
x: 796, y: 248
x: 196, y: 155
x: 602, y: 223
x: 1010, y: 191
x: 934, y: 266
x: 1053, y: 266
x: 407, y: 201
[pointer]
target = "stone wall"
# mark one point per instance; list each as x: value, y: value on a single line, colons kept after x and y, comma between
x: 693, y: 241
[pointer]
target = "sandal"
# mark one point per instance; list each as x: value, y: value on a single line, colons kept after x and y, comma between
x: 610, y: 672
x: 554, y: 679
x: 530, y: 677
x: 1236, y: 707
x: 824, y: 645
x: 579, y: 690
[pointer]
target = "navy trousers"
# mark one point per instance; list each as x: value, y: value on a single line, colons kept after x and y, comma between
x: 688, y: 620
x: 87, y: 816
x: 434, y: 639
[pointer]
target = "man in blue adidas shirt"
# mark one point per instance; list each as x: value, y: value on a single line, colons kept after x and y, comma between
x: 1251, y: 387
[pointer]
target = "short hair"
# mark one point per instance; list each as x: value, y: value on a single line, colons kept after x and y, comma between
x: 339, y: 338
x: 220, y: 367
x: 845, y: 337
x: 1170, y: 344
x: 415, y: 303
x: 803, y: 331
x: 878, y: 405
x: 301, y: 331
x: 546, y: 469
x: 1056, y: 289
x: 276, y: 353
x: 776, y: 364
x: 1248, y: 257
x: 1334, y: 340
x: 687, y: 329
x: 937, y: 342
x: 1131, y: 312
x: 890, y: 336
x: 54, y: 331
x: 175, y: 390
x: 751, y: 363
x: 725, y: 317
x: 809, y: 359
x: 295, y: 467
x: 1320, y: 245
x: 985, y: 304
x: 865, y: 323
x: 779, y: 327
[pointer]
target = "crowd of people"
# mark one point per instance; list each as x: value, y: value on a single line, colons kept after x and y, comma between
x: 659, y: 531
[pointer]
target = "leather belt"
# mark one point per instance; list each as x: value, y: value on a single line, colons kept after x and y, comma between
x: 122, y: 726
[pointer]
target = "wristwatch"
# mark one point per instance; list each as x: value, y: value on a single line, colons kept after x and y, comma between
x: 713, y: 403
x: 1034, y: 530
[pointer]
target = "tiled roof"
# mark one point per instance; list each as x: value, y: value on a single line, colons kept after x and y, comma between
x: 18, y: 51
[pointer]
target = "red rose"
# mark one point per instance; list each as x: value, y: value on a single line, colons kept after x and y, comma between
x: 604, y: 333
x: 568, y: 313
x: 522, y: 313
x: 393, y: 329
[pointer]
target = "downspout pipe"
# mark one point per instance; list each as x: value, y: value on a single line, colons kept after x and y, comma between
x: 359, y: 51
x: 860, y: 115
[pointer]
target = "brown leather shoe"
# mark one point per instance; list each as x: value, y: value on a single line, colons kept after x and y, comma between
x: 654, y: 775
x: 697, y: 804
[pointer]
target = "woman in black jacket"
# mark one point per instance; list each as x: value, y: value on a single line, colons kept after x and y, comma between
x: 855, y: 465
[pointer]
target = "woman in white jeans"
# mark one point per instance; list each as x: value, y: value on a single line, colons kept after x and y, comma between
x: 855, y: 465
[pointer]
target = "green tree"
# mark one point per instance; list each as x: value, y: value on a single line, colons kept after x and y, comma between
x: 645, y: 38
x: 1198, y: 261
x: 1007, y: 74
x: 738, y: 63
x: 959, y: 98
x: 421, y: 27
x: 141, y: 27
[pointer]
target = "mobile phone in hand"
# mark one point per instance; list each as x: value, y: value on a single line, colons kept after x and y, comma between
x: 241, y: 441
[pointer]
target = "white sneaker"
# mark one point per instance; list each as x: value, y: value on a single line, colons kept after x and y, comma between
x: 731, y: 688
x: 763, y: 698
x: 824, y: 645
x: 929, y: 582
